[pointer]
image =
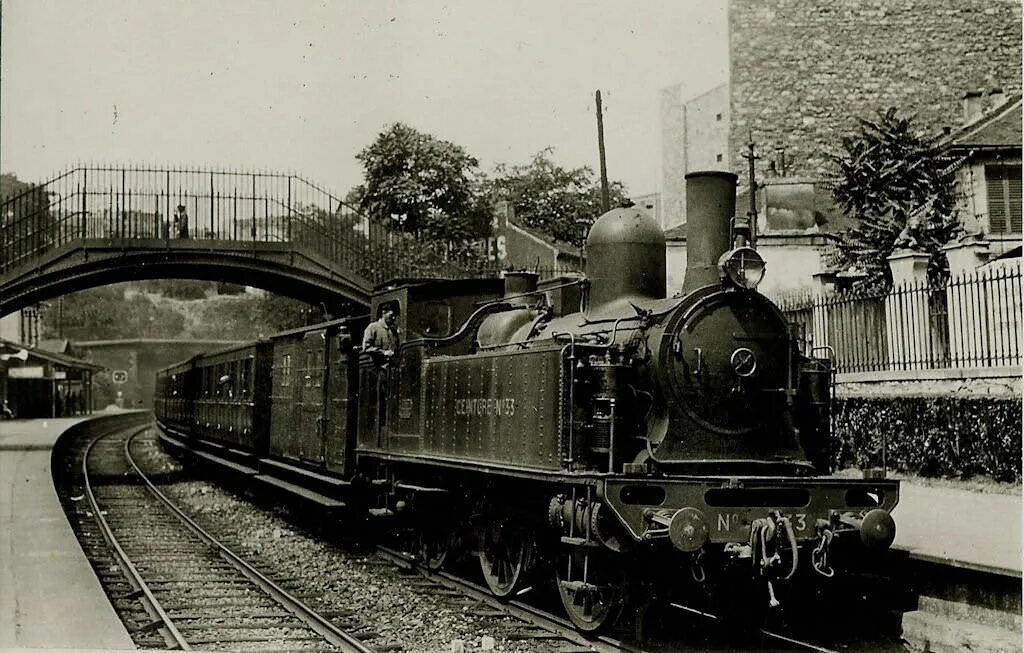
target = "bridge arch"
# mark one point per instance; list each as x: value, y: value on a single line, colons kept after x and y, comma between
x: 282, y: 271
x: 94, y: 225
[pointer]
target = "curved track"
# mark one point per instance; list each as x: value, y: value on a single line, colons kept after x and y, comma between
x: 197, y: 591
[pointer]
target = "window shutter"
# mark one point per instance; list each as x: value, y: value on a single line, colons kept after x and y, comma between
x: 1013, y: 198
x: 1003, y: 183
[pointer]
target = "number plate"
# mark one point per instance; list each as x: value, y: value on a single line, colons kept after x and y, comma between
x: 735, y: 525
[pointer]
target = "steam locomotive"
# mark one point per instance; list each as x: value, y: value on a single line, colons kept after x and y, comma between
x: 590, y: 428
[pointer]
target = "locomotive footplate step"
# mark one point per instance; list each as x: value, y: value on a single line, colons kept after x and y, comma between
x: 316, y: 497
x: 172, y: 440
x: 246, y: 456
x: 420, y: 488
x: 211, y: 444
x: 242, y: 469
x: 301, y: 471
x: 579, y: 541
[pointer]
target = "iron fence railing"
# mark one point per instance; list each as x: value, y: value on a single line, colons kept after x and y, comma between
x: 142, y: 203
x: 971, y: 321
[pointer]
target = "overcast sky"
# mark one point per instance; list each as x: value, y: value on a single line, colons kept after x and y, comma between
x: 303, y: 86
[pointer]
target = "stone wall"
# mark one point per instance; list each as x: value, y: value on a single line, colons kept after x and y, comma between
x: 802, y: 71
x: 140, y: 359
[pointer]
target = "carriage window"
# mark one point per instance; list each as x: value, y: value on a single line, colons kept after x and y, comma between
x: 318, y: 371
x: 286, y: 369
x: 432, y: 319
x: 246, y: 378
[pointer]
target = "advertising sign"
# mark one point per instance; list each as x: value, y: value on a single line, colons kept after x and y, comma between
x: 25, y: 372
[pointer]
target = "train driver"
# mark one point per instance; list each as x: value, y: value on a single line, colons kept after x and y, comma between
x: 380, y: 339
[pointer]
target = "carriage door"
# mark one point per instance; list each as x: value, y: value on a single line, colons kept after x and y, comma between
x: 337, y: 401
x: 311, y: 398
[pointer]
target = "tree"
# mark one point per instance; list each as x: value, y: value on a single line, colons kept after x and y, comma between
x: 107, y: 312
x: 26, y: 225
x: 560, y: 202
x: 422, y: 185
x: 898, y: 189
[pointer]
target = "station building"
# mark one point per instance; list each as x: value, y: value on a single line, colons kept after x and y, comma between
x: 39, y: 383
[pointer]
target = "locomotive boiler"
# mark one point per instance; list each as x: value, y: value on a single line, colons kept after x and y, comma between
x: 592, y: 430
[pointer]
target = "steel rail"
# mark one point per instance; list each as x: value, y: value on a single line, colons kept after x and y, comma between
x: 563, y: 628
x: 317, y: 622
x: 149, y: 601
x: 764, y: 631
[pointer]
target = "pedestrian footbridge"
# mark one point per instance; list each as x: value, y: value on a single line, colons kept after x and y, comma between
x: 95, y: 225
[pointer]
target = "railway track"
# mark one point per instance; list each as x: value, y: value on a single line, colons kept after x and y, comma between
x: 194, y: 590
x: 194, y: 587
x: 536, y: 623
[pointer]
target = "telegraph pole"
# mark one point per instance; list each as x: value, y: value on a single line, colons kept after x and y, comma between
x: 605, y: 201
x: 750, y: 156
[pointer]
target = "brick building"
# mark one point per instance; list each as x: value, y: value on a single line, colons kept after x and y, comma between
x: 514, y: 246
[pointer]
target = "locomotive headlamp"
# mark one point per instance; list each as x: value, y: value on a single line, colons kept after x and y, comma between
x: 743, y: 267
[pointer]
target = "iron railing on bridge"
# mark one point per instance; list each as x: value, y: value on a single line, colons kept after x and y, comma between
x: 142, y: 203
x: 971, y: 321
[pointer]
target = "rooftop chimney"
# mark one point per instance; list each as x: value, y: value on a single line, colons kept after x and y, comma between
x: 974, y: 106
x: 996, y: 97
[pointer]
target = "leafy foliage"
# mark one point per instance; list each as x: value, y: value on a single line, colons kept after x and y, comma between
x: 246, y: 317
x: 931, y: 436
x: 25, y: 219
x: 177, y: 288
x: 560, y: 202
x: 110, y: 313
x: 422, y: 185
x: 898, y: 188
x: 123, y: 311
x: 376, y: 252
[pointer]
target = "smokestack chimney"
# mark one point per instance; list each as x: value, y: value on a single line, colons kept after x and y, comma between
x: 710, y: 206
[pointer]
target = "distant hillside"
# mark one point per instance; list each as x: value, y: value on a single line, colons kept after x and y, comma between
x: 173, y: 310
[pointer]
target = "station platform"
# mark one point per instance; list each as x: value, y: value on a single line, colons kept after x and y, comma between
x: 49, y: 595
x: 960, y: 528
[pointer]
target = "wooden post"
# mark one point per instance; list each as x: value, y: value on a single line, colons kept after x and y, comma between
x: 605, y: 200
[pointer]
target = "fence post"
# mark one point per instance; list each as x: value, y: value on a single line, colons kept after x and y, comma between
x: 819, y: 309
x: 906, y: 314
x: 961, y: 296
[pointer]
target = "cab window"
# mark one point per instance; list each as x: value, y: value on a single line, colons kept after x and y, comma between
x: 432, y: 318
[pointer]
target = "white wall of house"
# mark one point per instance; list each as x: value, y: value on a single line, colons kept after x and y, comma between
x: 10, y: 327
x: 694, y: 136
x: 790, y: 263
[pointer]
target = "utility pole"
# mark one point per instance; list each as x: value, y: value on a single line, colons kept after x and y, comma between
x: 605, y: 201
x: 750, y: 156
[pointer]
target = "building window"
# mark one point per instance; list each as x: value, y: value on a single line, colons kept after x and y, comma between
x: 718, y: 117
x: 718, y: 157
x: 1002, y: 183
